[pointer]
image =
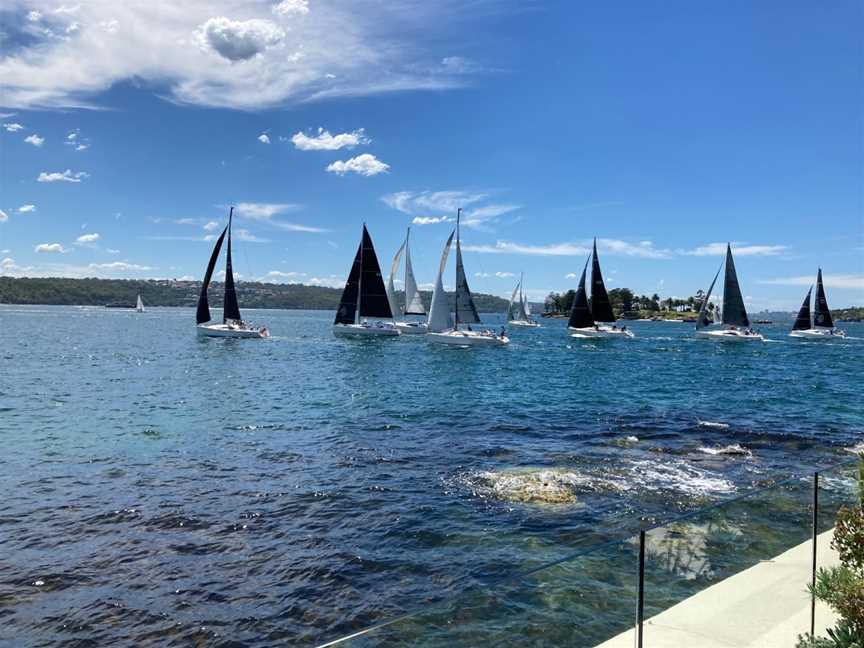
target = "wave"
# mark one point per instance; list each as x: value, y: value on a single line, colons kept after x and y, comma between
x: 735, y: 450
x: 625, y: 442
x: 679, y: 476
x: 532, y: 485
x: 712, y: 424
x: 856, y: 449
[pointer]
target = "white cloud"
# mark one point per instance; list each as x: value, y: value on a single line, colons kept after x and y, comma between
x: 474, y: 217
x: 292, y: 7
x: 34, y: 16
x: 422, y: 202
x: 72, y: 136
x: 431, y: 220
x: 738, y: 249
x: 3, y: 216
x: 120, y: 265
x: 571, y: 275
x: 82, y: 147
x: 365, y: 165
x: 247, y: 236
x: 87, y: 239
x: 264, y: 138
x: 278, y: 274
x: 325, y: 141
x: 211, y: 226
x: 186, y: 221
x: 643, y: 249
x: 265, y: 212
x: 26, y: 209
x: 13, y: 127
x: 239, y: 40
x: 112, y: 251
x: 332, y: 281
x: 459, y: 65
x: 49, y: 247
x: 35, y: 140
x: 504, y: 275
x: 237, y: 54
x: 65, y: 176
x: 854, y: 282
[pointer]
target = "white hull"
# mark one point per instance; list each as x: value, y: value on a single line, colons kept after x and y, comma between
x: 229, y: 331
x: 728, y: 335
x: 524, y: 323
x: 377, y: 329
x: 468, y: 338
x: 599, y: 332
x: 412, y: 328
x: 818, y: 334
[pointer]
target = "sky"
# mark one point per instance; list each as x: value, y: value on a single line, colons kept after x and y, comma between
x: 664, y: 129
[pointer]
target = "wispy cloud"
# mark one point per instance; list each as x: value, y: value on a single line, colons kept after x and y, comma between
x: 121, y: 266
x: 431, y: 220
x: 738, y: 249
x: 49, y: 248
x: 853, y: 282
x: 264, y: 138
x: 87, y: 240
x: 35, y: 140
x: 265, y: 212
x: 433, y: 207
x: 615, y: 247
x: 364, y: 165
x: 13, y: 127
x: 62, y: 176
x: 325, y: 141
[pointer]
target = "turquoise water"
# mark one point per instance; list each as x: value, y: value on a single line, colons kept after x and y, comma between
x: 160, y: 488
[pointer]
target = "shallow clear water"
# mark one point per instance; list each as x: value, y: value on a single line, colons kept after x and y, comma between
x: 159, y: 488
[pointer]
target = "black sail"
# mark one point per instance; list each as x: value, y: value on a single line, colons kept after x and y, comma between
x: 702, y: 321
x: 601, y: 308
x: 734, y: 312
x: 373, y: 293
x: 231, y: 309
x: 821, y: 313
x: 347, y: 311
x: 802, y: 322
x: 466, y: 311
x: 203, y: 314
x: 580, y: 314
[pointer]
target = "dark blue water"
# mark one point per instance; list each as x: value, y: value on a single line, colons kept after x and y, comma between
x: 163, y: 489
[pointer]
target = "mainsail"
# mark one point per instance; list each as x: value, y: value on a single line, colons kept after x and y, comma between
x: 802, y: 322
x: 580, y: 314
x: 413, y: 301
x: 510, y: 314
x: 821, y: 313
x: 203, y: 314
x: 466, y: 311
x: 439, y: 312
x: 373, y: 294
x: 703, y: 320
x: 231, y: 309
x: 139, y: 305
x: 601, y: 309
x: 347, y: 311
x: 391, y: 288
x: 734, y: 312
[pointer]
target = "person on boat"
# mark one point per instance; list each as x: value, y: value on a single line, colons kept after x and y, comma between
x: 623, y: 328
x: 596, y: 327
x: 503, y: 332
x: 469, y: 328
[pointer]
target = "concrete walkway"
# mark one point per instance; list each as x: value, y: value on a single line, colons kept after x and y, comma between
x: 765, y: 606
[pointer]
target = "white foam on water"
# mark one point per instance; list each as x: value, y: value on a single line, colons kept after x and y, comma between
x: 679, y: 476
x: 735, y: 450
x: 534, y: 485
x: 857, y: 449
x: 712, y: 424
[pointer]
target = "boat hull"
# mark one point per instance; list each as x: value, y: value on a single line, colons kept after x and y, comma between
x: 412, y: 328
x: 226, y: 331
x: 818, y: 334
x: 727, y: 335
x: 365, y: 330
x: 599, y: 332
x: 524, y: 323
x: 468, y: 338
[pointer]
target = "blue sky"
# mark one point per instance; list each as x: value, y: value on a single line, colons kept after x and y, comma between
x: 663, y: 128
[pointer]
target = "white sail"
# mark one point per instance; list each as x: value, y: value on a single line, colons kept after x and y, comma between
x: 513, y: 299
x: 439, y: 313
x: 413, y: 301
x: 139, y: 305
x: 391, y: 289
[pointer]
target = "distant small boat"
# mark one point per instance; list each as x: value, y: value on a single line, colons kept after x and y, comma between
x: 822, y: 326
x: 442, y: 328
x: 735, y: 323
x: 518, y: 312
x: 232, y: 325
x: 364, y: 297
x: 139, y: 305
x: 413, y: 301
x: 584, y: 317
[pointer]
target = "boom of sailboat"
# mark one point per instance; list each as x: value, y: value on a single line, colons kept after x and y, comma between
x: 371, y: 308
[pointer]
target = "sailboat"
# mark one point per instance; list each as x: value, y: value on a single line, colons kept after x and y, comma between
x: 518, y: 312
x: 590, y: 320
x: 413, y: 300
x: 139, y: 305
x: 232, y: 324
x: 442, y: 328
x: 735, y: 325
x: 364, y: 296
x: 822, y: 326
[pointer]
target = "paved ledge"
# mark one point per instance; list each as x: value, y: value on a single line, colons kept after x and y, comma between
x: 765, y: 606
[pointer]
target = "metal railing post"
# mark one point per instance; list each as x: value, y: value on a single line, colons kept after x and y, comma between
x: 640, y: 595
x: 813, y: 569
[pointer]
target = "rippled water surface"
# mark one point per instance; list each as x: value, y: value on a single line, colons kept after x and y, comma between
x: 159, y: 489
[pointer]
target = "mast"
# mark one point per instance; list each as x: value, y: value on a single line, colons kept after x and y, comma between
x: 360, y: 277
x: 458, y: 259
x: 230, y: 308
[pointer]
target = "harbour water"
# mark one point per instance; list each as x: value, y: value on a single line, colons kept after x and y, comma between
x: 161, y: 489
